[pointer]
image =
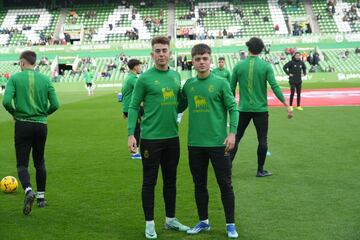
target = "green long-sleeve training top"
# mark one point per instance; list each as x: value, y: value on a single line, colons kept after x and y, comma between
x: 159, y: 91
x: 252, y: 75
x: 127, y: 90
x: 224, y: 73
x: 33, y: 95
x: 208, y: 100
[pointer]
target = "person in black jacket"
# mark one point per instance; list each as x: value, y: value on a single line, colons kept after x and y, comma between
x: 295, y: 68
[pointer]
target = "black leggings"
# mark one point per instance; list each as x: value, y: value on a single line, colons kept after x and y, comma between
x: 30, y: 136
x: 155, y: 153
x: 261, y: 122
x: 199, y: 162
x: 293, y: 87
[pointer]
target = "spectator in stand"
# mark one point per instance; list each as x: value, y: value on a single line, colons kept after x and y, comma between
x: 333, y: 10
x: 331, y: 69
x: 246, y: 22
x: 316, y: 58
x: 267, y: 49
x: 220, y: 36
x: 304, y: 56
x: 183, y: 63
x: 7, y: 75
x: 242, y: 55
x: 192, y: 35
x: 318, y: 16
x: 186, y: 33
x: 357, y: 50
x: 224, y: 33
x: 276, y: 27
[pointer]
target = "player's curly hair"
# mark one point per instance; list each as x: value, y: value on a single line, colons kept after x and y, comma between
x: 255, y: 45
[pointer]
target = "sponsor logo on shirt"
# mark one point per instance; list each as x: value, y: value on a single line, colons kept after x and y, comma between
x: 169, y: 97
x: 200, y: 104
x: 167, y: 93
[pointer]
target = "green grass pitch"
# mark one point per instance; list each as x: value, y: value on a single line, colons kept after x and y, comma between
x: 93, y: 187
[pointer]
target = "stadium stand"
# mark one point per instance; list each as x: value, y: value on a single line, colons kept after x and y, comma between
x: 32, y: 26
x: 103, y: 73
x: 277, y: 17
x: 296, y: 9
x: 128, y: 23
x: 326, y: 21
x: 115, y: 23
x: 342, y: 60
x: 241, y: 19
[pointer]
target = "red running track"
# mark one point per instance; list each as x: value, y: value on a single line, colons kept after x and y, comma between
x: 321, y: 97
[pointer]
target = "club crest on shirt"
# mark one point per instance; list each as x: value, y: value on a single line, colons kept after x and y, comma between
x: 156, y: 82
x: 192, y: 89
x: 146, y: 154
x: 211, y: 88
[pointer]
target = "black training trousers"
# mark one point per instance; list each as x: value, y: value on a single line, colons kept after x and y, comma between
x: 30, y: 136
x: 155, y: 153
x: 297, y: 87
x: 261, y: 122
x: 199, y: 162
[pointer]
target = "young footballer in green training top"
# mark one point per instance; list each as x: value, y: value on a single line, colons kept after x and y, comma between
x: 252, y: 75
x: 127, y: 90
x: 89, y: 76
x: 158, y: 89
x: 209, y: 99
x: 221, y: 70
x: 3, y: 82
x: 34, y: 99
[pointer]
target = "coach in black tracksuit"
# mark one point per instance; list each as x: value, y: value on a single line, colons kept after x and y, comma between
x: 294, y: 68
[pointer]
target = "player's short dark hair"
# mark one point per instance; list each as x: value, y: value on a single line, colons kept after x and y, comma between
x: 255, y: 45
x: 297, y: 53
x: 221, y: 59
x: 133, y: 63
x: 29, y: 56
x: 200, y: 49
x: 160, y: 40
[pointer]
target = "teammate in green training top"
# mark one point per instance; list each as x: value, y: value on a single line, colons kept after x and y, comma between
x: 34, y: 99
x: 127, y: 90
x: 158, y: 88
x: 221, y: 70
x: 3, y: 82
x: 209, y: 99
x: 89, y: 77
x: 252, y: 75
